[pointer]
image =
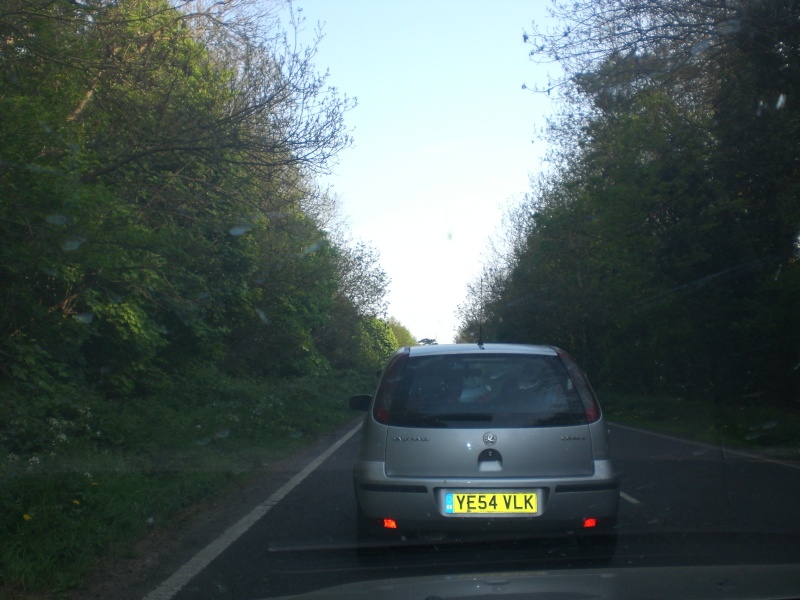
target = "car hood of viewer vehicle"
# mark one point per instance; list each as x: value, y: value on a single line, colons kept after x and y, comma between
x: 653, y: 583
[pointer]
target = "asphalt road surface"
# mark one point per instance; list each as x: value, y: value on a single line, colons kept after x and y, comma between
x: 681, y: 504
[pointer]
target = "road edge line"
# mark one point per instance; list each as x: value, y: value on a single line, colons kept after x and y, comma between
x: 175, y: 582
x: 721, y: 448
x: 628, y: 498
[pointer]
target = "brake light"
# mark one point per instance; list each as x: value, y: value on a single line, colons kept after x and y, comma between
x: 389, y: 382
x: 589, y: 523
x: 590, y: 405
x: 389, y: 524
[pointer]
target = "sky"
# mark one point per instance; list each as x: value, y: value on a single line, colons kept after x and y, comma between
x: 444, y: 137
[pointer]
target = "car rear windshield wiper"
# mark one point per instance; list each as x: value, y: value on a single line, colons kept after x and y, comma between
x: 440, y: 419
x: 465, y: 416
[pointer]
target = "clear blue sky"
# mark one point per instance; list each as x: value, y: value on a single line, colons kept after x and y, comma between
x: 443, y: 136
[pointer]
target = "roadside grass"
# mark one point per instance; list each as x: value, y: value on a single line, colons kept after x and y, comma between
x: 757, y: 426
x: 82, y: 476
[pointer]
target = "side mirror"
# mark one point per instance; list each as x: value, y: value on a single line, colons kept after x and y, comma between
x: 360, y: 402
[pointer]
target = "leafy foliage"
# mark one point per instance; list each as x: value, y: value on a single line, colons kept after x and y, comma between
x: 158, y: 197
x: 662, y: 249
x: 401, y: 333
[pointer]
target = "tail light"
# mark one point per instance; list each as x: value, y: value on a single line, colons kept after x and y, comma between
x: 389, y: 382
x: 585, y: 392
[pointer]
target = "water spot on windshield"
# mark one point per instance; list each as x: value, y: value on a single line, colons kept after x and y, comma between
x: 769, y: 425
x: 239, y: 230
x: 781, y: 102
x: 312, y: 248
x: 85, y: 318
x: 700, y: 47
x: 56, y: 219
x: 728, y: 27
x: 72, y: 244
x: 262, y: 315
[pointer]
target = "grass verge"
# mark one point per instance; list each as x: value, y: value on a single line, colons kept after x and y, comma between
x: 82, y: 476
x: 758, y: 426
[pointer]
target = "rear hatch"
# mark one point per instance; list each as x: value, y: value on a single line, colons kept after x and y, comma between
x: 487, y: 415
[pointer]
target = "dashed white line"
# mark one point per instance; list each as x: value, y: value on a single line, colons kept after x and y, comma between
x: 630, y: 499
x: 202, y: 559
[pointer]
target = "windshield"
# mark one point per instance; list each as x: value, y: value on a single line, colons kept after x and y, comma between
x: 255, y: 254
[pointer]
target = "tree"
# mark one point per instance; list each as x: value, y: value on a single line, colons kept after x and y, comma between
x: 377, y: 343
x: 359, y: 304
x: 401, y: 333
x: 160, y: 205
x: 670, y: 220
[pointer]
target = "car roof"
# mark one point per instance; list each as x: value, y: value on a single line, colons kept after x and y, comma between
x: 442, y: 349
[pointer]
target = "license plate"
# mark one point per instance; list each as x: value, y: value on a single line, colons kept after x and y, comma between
x: 490, y: 503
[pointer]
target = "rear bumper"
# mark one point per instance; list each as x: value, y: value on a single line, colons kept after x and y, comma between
x: 419, y: 504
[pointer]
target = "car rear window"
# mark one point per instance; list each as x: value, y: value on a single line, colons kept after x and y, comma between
x: 509, y: 390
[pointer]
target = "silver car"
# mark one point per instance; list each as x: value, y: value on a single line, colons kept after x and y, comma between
x: 493, y: 438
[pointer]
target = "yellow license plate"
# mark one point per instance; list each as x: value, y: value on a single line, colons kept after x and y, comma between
x: 490, y: 503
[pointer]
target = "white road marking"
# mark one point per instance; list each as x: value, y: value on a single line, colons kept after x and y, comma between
x: 721, y: 448
x: 202, y: 559
x: 630, y: 499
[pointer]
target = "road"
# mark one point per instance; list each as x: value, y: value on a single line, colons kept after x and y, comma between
x: 681, y: 504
